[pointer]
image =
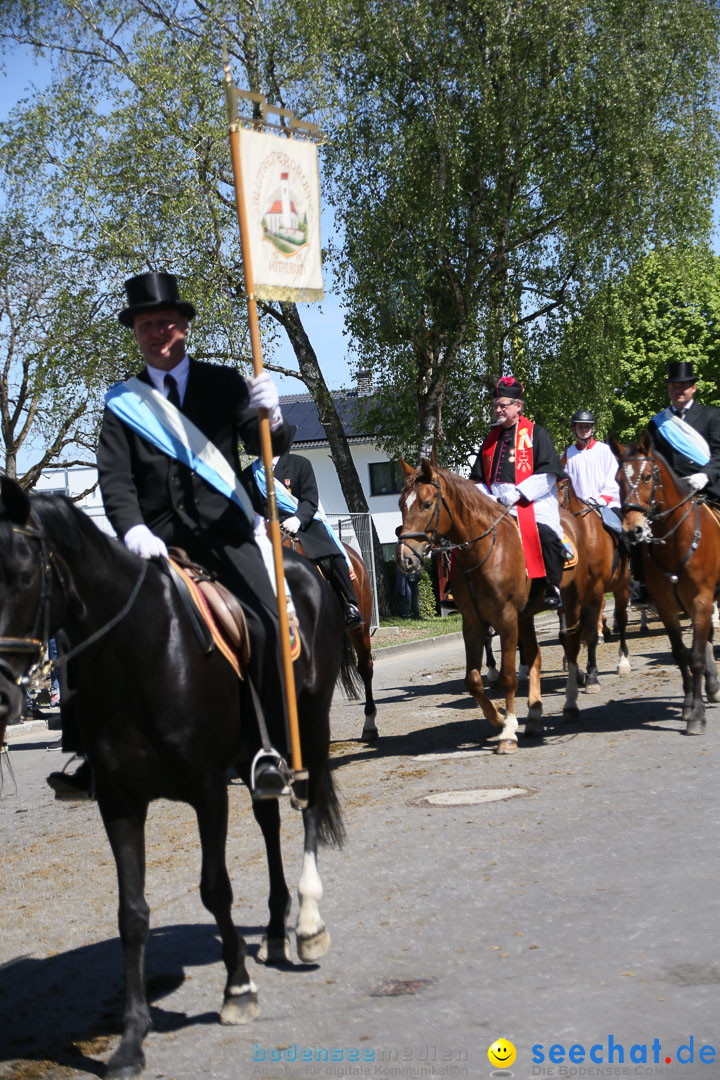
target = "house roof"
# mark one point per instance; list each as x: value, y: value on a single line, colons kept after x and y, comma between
x: 300, y: 409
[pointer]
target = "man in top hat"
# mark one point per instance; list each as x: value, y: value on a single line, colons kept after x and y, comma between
x: 154, y: 500
x: 687, y: 434
x: 298, y: 510
x: 519, y: 465
x: 592, y: 467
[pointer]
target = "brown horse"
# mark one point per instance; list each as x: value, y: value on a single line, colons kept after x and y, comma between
x: 681, y: 558
x: 608, y: 571
x: 490, y: 585
x: 360, y: 636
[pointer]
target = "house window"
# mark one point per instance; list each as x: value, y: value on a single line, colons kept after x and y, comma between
x: 386, y: 478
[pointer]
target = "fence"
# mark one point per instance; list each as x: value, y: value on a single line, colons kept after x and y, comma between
x: 355, y: 530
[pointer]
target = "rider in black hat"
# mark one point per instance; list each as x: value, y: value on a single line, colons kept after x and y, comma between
x: 154, y: 500
x: 687, y: 434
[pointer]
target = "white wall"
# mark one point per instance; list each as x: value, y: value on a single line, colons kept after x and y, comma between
x: 384, y: 508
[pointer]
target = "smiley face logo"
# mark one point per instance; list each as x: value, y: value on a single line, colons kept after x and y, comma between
x: 502, y: 1053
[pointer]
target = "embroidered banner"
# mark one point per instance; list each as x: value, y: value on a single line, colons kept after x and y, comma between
x: 281, y: 183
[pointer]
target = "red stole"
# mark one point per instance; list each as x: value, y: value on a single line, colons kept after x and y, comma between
x: 523, y: 469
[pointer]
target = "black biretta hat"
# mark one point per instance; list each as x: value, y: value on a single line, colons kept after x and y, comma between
x: 681, y: 371
x: 146, y: 292
x: 509, y: 386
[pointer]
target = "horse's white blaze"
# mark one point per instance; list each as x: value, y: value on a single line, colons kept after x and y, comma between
x: 410, y: 501
x: 571, y: 690
x: 310, y: 892
x: 509, y: 728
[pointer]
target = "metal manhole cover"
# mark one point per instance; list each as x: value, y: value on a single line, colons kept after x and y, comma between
x: 470, y: 796
x: 400, y: 987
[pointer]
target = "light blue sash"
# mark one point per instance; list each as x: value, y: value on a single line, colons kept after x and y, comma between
x: 683, y: 438
x: 287, y: 502
x: 152, y: 416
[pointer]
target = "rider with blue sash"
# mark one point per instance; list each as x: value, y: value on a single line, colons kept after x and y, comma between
x: 168, y: 460
x: 301, y: 516
x: 687, y: 434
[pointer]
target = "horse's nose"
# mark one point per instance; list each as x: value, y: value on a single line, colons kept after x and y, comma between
x: 635, y: 533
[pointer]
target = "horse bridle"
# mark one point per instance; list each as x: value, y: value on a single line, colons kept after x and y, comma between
x: 652, y: 514
x: 443, y: 544
x: 36, y: 642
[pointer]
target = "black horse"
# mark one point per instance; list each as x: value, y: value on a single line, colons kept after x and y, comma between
x: 170, y: 724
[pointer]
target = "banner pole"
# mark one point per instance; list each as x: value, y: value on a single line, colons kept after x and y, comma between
x: 265, y: 438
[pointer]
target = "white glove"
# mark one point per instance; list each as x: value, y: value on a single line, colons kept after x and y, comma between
x: 291, y: 525
x: 144, y: 543
x: 697, y: 481
x: 264, y: 395
x: 509, y: 498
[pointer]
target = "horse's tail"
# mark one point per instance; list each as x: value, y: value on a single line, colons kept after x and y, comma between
x: 331, y: 830
x: 349, y: 676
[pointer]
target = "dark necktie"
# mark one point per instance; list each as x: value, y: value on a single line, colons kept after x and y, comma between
x: 680, y: 413
x: 172, y: 391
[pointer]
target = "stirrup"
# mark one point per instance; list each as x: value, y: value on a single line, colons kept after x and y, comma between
x: 274, y: 778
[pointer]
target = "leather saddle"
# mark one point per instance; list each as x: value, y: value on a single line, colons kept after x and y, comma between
x: 227, y: 618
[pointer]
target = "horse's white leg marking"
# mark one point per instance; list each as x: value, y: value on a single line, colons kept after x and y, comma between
x: 623, y: 667
x: 571, y: 690
x: 312, y: 938
x: 509, y: 728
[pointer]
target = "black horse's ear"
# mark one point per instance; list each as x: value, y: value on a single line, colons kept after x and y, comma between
x: 426, y: 470
x: 616, y: 446
x: 646, y: 441
x: 15, y: 501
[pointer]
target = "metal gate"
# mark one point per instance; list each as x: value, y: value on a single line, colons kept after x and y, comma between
x: 355, y: 530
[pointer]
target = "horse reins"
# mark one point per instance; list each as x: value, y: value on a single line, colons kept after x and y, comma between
x: 36, y: 642
x: 652, y: 513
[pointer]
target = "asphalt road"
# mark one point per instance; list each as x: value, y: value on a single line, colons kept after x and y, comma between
x: 581, y: 916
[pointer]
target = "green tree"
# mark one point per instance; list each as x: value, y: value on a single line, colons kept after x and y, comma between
x: 58, y: 350
x: 614, y: 358
x: 127, y: 152
x: 496, y: 160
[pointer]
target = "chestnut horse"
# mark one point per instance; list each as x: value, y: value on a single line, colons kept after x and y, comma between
x: 681, y: 558
x: 490, y: 586
x: 608, y: 571
x: 360, y: 636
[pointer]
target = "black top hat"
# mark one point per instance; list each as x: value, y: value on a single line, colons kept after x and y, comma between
x: 146, y: 292
x: 681, y: 371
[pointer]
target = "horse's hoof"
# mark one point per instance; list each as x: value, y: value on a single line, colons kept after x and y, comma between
x: 369, y: 736
x: 312, y: 948
x: 580, y: 678
x: 571, y: 714
x: 534, y: 729
x: 493, y: 676
x: 623, y: 667
x: 696, y: 726
x: 124, y: 1072
x: 713, y: 695
x: 507, y: 746
x: 273, y: 950
x: 240, y: 1008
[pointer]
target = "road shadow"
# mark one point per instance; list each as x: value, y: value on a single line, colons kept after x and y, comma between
x: 63, y: 1010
